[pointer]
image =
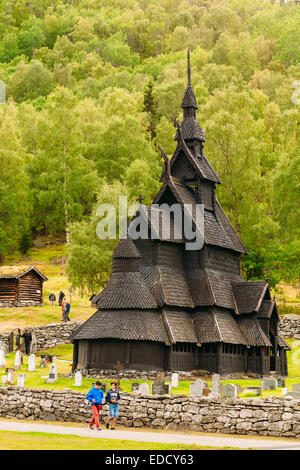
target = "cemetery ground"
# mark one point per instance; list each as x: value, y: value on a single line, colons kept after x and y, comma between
x: 63, y: 353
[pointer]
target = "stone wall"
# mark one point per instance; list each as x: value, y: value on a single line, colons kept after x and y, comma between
x: 289, y: 326
x: 255, y: 416
x: 48, y: 336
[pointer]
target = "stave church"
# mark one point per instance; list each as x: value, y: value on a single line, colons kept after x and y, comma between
x: 169, y: 308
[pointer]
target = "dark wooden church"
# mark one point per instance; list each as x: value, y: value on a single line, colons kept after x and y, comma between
x: 169, y: 308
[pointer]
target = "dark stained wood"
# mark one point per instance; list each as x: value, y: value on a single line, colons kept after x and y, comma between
x: 167, y: 307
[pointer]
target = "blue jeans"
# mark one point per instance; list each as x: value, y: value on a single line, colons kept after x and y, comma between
x: 114, y: 410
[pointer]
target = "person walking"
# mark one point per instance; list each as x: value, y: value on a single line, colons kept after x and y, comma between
x: 27, y: 340
x: 113, y: 399
x: 66, y: 311
x: 52, y: 298
x: 61, y: 296
x: 95, y: 397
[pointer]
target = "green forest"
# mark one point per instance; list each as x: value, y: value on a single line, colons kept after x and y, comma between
x: 92, y: 88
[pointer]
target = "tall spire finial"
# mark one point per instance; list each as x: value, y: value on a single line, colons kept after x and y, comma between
x: 189, y: 68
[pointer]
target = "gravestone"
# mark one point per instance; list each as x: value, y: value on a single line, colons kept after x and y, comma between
x: 31, y: 363
x: 281, y: 382
x: 284, y: 391
x: 21, y: 380
x: 268, y: 384
x: 175, y: 380
x: 78, y: 379
x: 52, y: 377
x: 168, y: 388
x: 230, y: 391
x: 10, y: 376
x: 144, y: 389
x: 2, y: 358
x: 4, y: 379
x: 196, y: 388
x: 216, y: 385
x: 134, y: 387
x: 33, y: 344
x: 296, y: 391
x: 158, y: 387
x: 18, y: 360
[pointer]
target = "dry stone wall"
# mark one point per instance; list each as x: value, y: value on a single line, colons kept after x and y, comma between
x: 48, y: 336
x: 289, y: 326
x: 265, y: 417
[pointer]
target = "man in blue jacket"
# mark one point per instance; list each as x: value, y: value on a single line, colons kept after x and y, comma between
x: 95, y: 397
x: 113, y: 398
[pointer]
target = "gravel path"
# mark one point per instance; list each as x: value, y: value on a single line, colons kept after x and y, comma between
x: 168, y: 438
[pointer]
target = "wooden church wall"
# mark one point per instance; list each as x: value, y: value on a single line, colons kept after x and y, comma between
x: 105, y: 353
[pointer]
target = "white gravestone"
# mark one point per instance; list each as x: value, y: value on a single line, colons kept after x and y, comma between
x: 144, y: 389
x: 78, y: 379
x: 216, y: 385
x: 52, y: 373
x: 10, y: 376
x: 268, y: 384
x: 4, y: 379
x: 18, y: 360
x: 175, y: 380
x: 196, y: 388
x: 284, y: 391
x: 31, y: 362
x: 2, y: 358
x: 21, y: 380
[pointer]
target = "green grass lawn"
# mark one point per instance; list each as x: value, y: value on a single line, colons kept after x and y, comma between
x: 65, y: 353
x: 12, y: 440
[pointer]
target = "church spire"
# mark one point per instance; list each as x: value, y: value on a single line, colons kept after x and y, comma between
x: 189, y: 68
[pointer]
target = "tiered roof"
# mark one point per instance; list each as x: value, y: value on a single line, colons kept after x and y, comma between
x: 155, y: 298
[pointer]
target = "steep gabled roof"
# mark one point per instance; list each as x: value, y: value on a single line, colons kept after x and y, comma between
x: 179, y: 326
x: 126, y: 249
x: 15, y: 272
x: 283, y: 344
x: 218, y: 326
x: 248, y: 295
x: 252, y: 331
x: 126, y: 324
x: 125, y: 290
x: 218, y: 231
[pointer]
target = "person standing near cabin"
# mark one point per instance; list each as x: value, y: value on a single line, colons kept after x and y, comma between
x: 66, y: 311
x: 113, y: 399
x: 52, y: 298
x: 27, y: 340
x: 61, y: 296
x: 95, y: 397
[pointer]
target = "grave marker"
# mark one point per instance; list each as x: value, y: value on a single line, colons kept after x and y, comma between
x: 268, y: 384
x: 78, y: 379
x: 196, y: 388
x: 144, y: 389
x: 216, y: 385
x: 2, y: 358
x: 230, y: 391
x: 175, y: 380
x: 158, y: 387
x: 18, y: 360
x: 21, y: 380
x: 31, y: 363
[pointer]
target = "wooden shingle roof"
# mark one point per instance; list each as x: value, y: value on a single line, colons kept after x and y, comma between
x: 179, y: 326
x: 218, y: 326
x: 248, y: 295
x: 145, y: 325
x: 126, y: 290
x: 253, y: 332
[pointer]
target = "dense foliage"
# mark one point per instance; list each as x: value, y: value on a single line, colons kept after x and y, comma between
x: 92, y: 87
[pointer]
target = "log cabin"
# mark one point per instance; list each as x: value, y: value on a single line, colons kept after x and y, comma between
x: 169, y: 308
x: 21, y: 286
